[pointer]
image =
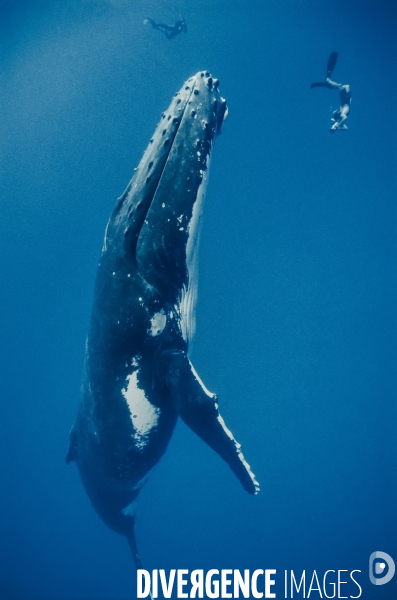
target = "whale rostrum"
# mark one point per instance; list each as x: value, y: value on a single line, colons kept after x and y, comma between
x: 137, y: 377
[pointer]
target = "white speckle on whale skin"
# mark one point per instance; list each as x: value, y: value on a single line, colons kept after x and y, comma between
x: 157, y: 323
x: 144, y: 415
x: 114, y: 273
x: 181, y: 228
x: 163, y: 205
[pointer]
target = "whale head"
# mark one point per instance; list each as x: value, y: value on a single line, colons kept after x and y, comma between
x: 158, y: 217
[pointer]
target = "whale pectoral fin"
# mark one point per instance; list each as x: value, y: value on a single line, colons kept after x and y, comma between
x: 198, y: 408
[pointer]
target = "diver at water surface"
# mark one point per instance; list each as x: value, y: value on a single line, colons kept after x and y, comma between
x: 340, y: 115
x: 170, y: 31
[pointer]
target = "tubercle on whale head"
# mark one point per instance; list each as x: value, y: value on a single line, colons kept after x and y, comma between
x: 188, y: 98
x: 204, y: 104
x: 219, y: 103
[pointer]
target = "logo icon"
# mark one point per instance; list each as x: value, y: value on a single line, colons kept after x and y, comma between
x: 380, y: 562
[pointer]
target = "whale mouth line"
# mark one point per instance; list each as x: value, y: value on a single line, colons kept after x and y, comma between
x: 155, y: 181
x: 167, y: 155
x: 218, y: 124
x: 159, y: 176
x: 189, y: 125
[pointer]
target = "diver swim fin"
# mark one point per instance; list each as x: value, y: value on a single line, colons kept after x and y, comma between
x: 333, y: 57
x: 198, y: 408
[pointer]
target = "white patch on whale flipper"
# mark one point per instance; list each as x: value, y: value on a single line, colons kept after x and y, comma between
x: 157, y: 323
x: 239, y: 453
x: 205, y: 390
x: 144, y: 415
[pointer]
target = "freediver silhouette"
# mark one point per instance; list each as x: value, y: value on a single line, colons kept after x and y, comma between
x: 340, y: 115
x: 170, y: 31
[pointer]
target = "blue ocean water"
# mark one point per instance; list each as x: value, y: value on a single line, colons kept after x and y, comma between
x: 296, y: 319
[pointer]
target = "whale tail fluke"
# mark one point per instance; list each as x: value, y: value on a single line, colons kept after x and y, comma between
x: 198, y: 408
x: 135, y: 553
x: 134, y: 549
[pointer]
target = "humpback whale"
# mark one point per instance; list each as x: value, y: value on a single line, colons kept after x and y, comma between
x: 137, y: 377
